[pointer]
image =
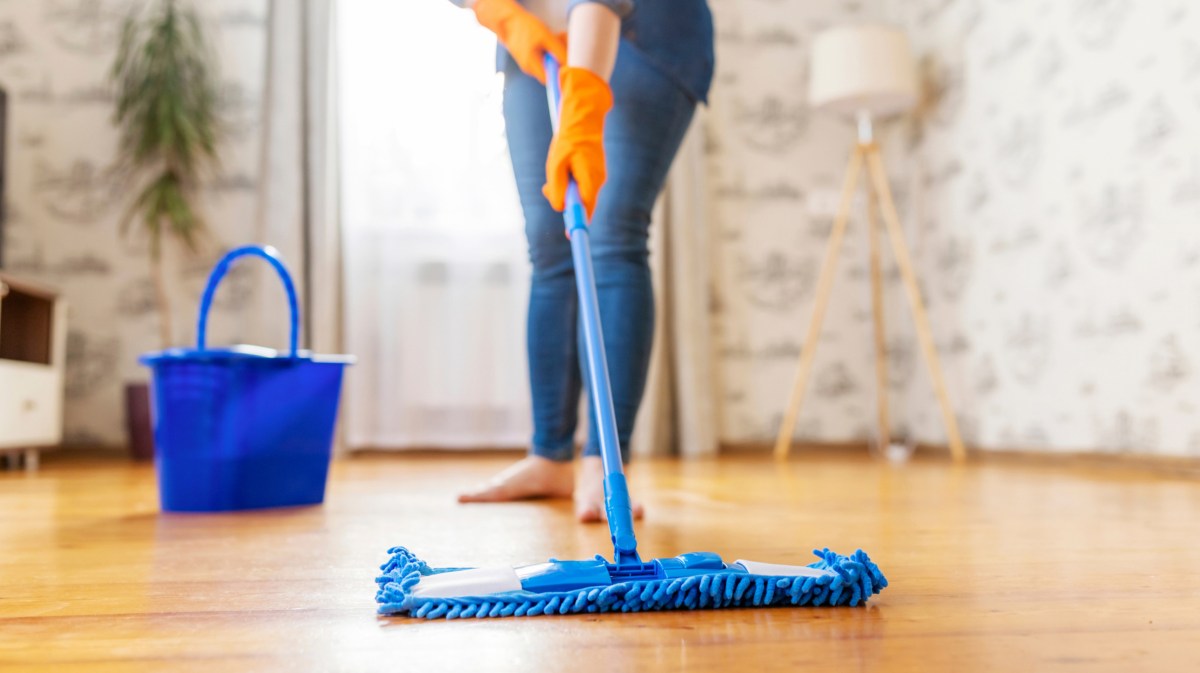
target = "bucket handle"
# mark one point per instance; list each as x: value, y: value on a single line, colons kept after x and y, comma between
x: 268, y: 253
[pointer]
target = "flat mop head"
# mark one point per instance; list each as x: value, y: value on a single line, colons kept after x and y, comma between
x: 700, y: 580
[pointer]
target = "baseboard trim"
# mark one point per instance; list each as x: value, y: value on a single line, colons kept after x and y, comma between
x: 1180, y: 466
x: 1186, y: 466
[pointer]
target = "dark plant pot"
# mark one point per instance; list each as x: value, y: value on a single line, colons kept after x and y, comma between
x: 139, y: 427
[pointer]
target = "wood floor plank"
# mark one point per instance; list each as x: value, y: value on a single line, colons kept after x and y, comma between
x: 992, y: 566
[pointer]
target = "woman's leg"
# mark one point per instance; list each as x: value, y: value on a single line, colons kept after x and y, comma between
x: 643, y: 132
x: 649, y: 118
x: 554, y: 378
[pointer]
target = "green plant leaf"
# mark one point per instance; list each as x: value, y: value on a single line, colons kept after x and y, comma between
x: 165, y: 84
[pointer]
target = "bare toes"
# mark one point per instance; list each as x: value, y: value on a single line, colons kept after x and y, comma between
x: 485, y: 494
x: 531, y: 477
x: 589, y: 513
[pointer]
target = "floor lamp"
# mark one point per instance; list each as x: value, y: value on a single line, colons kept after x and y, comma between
x: 867, y: 72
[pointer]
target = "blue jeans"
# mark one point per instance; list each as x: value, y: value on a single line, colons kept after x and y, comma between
x: 643, y: 131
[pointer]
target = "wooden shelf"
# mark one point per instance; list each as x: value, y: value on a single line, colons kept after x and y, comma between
x: 32, y: 354
x: 26, y: 322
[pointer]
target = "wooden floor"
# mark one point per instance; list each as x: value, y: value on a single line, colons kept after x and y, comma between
x: 992, y: 567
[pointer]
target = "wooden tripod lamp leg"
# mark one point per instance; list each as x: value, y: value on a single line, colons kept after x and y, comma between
x: 808, y: 349
x: 924, y: 335
x: 881, y: 365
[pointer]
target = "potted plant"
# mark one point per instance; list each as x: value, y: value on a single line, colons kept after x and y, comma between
x: 165, y: 82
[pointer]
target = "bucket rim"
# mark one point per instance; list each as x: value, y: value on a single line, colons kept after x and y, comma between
x: 241, y: 352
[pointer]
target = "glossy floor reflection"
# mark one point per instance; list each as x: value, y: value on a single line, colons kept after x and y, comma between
x: 994, y: 566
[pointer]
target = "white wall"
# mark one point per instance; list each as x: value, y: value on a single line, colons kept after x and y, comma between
x: 63, y: 209
x: 1056, y: 187
x: 776, y: 171
x: 1051, y: 195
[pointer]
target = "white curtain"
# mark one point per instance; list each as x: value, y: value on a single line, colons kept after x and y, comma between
x: 434, y: 260
x: 298, y: 189
x: 678, y: 415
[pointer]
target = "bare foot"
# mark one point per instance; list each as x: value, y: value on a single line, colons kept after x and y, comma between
x: 530, y: 477
x: 589, y: 493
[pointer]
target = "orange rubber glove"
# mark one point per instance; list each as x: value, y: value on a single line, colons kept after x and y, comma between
x: 578, y: 148
x: 525, y: 37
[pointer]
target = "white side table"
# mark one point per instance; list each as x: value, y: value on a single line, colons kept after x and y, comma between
x: 33, y: 337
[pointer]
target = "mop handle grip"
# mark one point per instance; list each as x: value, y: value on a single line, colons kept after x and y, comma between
x: 616, y: 493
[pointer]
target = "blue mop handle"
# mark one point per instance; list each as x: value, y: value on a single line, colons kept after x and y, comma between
x: 616, y: 491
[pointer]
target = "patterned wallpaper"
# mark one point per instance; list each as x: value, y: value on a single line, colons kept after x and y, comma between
x: 775, y: 170
x: 1056, y: 203
x: 63, y: 207
x: 1051, y: 195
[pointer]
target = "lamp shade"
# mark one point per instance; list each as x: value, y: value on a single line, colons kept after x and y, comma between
x: 862, y: 68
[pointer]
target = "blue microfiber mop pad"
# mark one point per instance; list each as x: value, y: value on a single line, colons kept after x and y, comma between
x: 844, y: 581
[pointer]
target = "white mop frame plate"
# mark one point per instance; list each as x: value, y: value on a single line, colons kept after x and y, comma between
x: 408, y: 586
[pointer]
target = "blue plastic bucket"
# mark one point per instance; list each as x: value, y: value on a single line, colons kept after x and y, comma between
x: 243, y: 427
